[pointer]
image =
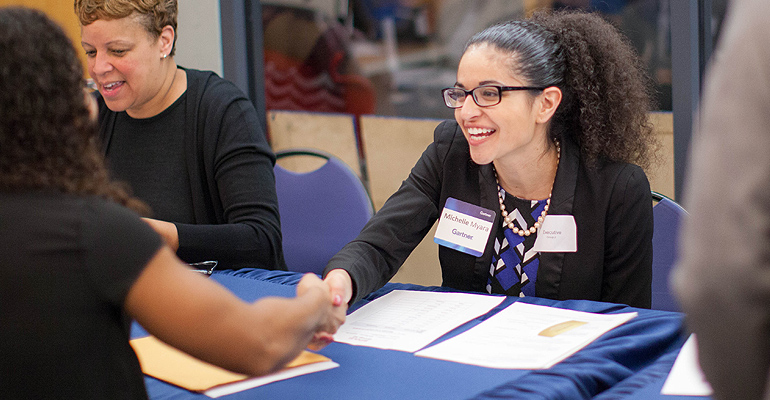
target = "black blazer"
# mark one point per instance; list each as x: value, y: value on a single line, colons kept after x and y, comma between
x: 610, y: 202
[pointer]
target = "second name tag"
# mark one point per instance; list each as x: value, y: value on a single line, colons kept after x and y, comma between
x: 558, y: 234
x: 464, y: 227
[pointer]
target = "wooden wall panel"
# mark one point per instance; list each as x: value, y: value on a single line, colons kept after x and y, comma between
x: 332, y: 133
x: 392, y: 146
x: 61, y: 11
x: 662, y: 175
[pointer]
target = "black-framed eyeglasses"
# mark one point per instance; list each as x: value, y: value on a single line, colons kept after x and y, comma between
x: 484, y: 96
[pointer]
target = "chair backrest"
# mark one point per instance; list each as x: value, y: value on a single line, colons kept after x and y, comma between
x: 321, y: 210
x: 668, y: 216
x: 334, y: 134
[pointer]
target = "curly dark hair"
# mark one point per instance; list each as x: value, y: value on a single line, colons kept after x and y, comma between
x: 47, y: 132
x: 605, y: 88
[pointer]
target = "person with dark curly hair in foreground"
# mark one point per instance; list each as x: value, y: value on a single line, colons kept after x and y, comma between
x: 538, y: 185
x: 76, y: 263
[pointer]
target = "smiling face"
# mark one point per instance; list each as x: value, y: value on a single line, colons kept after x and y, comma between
x: 513, y: 129
x: 126, y: 63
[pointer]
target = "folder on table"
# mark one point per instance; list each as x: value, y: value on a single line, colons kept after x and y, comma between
x: 173, y: 366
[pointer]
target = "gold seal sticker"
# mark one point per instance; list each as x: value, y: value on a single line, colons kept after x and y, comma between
x: 560, y: 328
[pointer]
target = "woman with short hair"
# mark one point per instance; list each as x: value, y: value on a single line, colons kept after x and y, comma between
x: 188, y: 142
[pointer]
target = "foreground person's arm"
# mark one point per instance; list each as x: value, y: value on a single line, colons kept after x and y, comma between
x: 202, y: 318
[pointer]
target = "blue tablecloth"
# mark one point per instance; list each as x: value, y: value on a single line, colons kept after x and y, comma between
x: 647, y: 383
x: 615, y: 360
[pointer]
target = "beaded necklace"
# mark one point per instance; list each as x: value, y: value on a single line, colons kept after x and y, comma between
x: 540, y: 219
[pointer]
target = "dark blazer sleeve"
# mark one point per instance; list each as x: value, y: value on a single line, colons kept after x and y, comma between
x: 628, y: 249
x: 230, y: 166
x: 238, y: 223
x: 398, y: 227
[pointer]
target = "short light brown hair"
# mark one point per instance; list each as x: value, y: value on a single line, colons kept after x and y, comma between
x: 154, y: 15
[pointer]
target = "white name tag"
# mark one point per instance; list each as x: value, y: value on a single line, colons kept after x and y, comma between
x: 464, y: 227
x: 557, y: 234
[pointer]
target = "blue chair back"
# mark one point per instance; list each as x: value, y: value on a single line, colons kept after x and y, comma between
x: 321, y: 210
x: 667, y: 215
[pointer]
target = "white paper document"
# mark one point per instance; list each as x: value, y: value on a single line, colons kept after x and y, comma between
x: 686, y: 377
x: 408, y: 320
x: 247, y: 384
x: 526, y: 336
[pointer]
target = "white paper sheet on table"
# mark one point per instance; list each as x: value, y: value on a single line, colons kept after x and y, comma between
x: 410, y: 320
x: 525, y: 336
x: 247, y: 384
x: 686, y: 378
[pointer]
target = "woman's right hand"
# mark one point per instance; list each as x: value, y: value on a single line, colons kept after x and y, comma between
x: 341, y: 285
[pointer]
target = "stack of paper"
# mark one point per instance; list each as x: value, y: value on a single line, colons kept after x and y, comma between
x: 522, y: 336
x: 410, y: 320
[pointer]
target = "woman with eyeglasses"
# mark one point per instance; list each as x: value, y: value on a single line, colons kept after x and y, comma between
x: 187, y: 141
x: 537, y: 186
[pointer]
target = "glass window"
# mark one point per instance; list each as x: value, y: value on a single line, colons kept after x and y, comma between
x: 393, y: 57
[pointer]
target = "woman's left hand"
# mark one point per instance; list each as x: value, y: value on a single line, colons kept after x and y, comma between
x: 166, y: 230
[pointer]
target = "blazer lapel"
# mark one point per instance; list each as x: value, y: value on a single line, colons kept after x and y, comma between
x: 562, y: 196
